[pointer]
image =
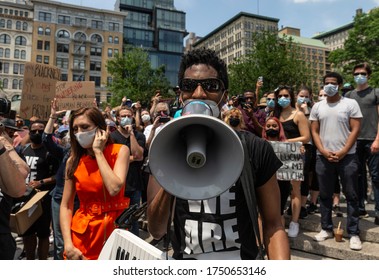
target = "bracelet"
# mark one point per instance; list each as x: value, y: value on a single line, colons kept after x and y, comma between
x: 2, y: 150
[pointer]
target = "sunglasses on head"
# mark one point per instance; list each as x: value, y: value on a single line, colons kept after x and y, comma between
x: 209, y: 85
x: 360, y: 73
x: 34, y: 131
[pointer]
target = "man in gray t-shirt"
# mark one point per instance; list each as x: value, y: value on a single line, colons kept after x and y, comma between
x: 368, y: 138
x: 335, y: 124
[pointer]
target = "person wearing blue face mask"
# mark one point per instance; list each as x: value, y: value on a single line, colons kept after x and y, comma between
x: 304, y: 100
x: 335, y: 125
x: 296, y: 129
x: 368, y: 138
x: 270, y: 105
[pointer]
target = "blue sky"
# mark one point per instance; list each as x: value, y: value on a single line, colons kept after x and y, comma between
x: 311, y: 16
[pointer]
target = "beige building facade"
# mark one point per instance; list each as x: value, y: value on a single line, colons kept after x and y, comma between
x: 16, y: 26
x: 78, y: 40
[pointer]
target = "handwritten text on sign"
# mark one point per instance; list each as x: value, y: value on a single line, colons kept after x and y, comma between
x: 293, y: 164
x: 38, y: 90
x: 75, y: 95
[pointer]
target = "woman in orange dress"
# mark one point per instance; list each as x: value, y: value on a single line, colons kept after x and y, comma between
x: 96, y: 171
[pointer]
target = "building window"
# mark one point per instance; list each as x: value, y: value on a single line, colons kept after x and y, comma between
x: 9, y: 24
x: 80, y: 36
x: 42, y: 16
x: 22, y: 69
x: 1, y: 52
x: 109, y: 81
x: 95, y: 79
x: 47, y: 45
x: 63, y: 34
x: 62, y: 63
x: 64, y: 77
x: 40, y: 30
x: 110, y: 52
x: 39, y: 59
x: 20, y: 41
x: 47, y: 31
x: 16, y: 54
x: 110, y: 39
x: 78, y: 78
x: 15, y: 84
x: 116, y: 41
x: 46, y: 59
x: 23, y: 54
x: 113, y: 26
x: 95, y: 66
x: 96, y: 24
x: 96, y: 51
x: 5, y: 39
x: 18, y: 25
x: 5, y: 83
x: 16, y: 68
x: 81, y: 22
x: 115, y: 52
x: 24, y: 26
x: 39, y: 45
x: 63, y: 19
x: 2, y: 23
x: 20, y: 84
x: 80, y: 49
x: 96, y: 38
x: 63, y: 48
x: 6, y: 67
x: 79, y: 64
x: 7, y: 53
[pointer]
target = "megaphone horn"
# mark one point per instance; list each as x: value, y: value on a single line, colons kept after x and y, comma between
x: 196, y: 157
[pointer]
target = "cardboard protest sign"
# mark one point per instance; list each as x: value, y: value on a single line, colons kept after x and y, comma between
x: 75, y: 95
x: 38, y: 90
x: 293, y: 164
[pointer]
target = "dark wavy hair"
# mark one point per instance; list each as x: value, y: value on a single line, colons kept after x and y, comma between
x: 95, y: 116
x: 204, y: 56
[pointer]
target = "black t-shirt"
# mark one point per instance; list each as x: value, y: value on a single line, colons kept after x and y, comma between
x: 223, y: 223
x: 42, y: 165
x: 133, y: 179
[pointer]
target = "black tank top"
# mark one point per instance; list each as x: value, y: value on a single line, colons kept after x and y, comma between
x: 291, y: 130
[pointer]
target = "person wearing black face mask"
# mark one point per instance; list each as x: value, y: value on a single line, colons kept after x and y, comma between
x: 43, y: 167
x: 234, y: 119
x: 273, y: 131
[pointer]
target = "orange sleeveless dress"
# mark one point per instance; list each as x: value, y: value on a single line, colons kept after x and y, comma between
x: 93, y: 222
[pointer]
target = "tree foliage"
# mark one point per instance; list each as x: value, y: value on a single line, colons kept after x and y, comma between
x: 362, y: 45
x: 277, y: 59
x: 133, y: 77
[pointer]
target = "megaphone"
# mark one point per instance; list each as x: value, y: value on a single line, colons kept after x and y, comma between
x: 196, y: 157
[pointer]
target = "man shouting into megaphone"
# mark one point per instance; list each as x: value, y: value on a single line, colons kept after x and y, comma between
x: 223, y: 226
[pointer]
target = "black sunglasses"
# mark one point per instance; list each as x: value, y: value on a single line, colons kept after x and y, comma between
x: 209, y: 85
x: 360, y: 73
x: 34, y: 131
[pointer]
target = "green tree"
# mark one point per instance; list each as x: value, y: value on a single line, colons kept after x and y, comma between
x: 277, y: 59
x: 133, y: 77
x: 362, y: 45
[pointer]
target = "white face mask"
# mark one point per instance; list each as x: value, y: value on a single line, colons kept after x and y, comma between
x: 86, y: 138
x: 145, y: 118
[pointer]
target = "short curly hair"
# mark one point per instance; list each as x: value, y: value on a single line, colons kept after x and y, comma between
x: 204, y: 56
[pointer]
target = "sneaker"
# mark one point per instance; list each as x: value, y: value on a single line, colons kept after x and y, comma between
x: 337, y: 210
x: 323, y: 235
x: 303, y: 213
x: 312, y: 208
x: 293, y: 229
x: 363, y: 214
x: 376, y: 220
x: 355, y: 243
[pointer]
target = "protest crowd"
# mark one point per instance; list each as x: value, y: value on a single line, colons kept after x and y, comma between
x: 308, y: 152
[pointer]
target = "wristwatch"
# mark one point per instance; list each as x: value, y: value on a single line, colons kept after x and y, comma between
x: 41, y: 182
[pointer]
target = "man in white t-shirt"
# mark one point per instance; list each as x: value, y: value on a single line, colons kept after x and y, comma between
x: 335, y: 124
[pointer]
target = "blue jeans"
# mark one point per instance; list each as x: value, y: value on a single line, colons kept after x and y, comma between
x: 327, y: 174
x: 372, y: 160
x: 57, y: 233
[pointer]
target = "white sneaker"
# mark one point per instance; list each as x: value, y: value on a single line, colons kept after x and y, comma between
x: 323, y: 235
x: 293, y: 229
x: 355, y: 243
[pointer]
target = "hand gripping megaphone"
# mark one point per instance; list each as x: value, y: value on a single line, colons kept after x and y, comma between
x: 196, y: 157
